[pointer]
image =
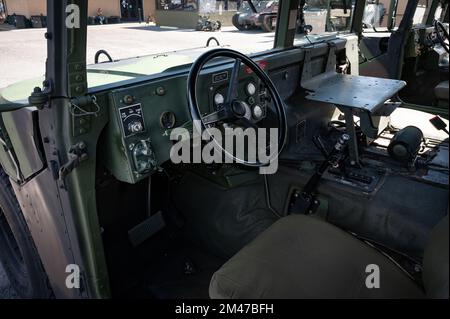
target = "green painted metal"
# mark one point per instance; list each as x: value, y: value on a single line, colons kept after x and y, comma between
x: 18, y: 143
x: 6, y: 162
x: 358, y: 13
x: 68, y: 73
x: 81, y: 182
x: 391, y: 14
x: 287, y: 23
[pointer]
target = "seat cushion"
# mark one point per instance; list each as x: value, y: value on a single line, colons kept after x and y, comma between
x: 435, y: 262
x: 441, y: 91
x: 304, y: 257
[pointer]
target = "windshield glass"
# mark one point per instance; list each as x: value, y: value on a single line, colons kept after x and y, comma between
x: 173, y: 33
x: 128, y: 39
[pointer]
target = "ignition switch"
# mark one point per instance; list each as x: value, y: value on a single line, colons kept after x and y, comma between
x: 135, y: 127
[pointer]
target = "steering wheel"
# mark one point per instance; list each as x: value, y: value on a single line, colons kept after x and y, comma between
x: 441, y: 34
x: 234, y: 111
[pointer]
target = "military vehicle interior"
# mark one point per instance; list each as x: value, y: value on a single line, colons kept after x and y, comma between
x: 208, y: 213
x: 167, y: 228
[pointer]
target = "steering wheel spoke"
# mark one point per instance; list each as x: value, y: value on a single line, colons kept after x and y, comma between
x: 234, y: 82
x: 221, y: 115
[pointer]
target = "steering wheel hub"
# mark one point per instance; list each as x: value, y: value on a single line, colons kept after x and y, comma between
x: 239, y: 108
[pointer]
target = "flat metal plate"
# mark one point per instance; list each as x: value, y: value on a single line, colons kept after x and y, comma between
x: 361, y: 92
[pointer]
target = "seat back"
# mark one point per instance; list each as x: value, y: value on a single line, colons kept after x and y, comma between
x: 435, y: 262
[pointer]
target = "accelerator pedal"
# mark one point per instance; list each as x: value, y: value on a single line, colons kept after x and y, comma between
x: 146, y: 229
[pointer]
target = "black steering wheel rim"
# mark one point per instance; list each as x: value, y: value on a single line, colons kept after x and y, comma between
x: 438, y: 28
x: 194, y: 109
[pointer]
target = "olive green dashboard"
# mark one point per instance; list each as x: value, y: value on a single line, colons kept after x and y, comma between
x: 142, y: 115
x: 142, y: 118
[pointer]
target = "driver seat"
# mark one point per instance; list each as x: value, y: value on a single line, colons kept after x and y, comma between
x: 304, y: 257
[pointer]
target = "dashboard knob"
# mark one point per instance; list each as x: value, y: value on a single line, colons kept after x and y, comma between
x: 135, y: 127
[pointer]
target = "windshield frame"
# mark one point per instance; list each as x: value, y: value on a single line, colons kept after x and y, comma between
x: 76, y: 41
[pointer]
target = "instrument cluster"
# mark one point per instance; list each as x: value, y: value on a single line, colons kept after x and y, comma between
x: 251, y: 91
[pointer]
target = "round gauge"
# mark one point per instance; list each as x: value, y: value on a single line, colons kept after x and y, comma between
x: 219, y: 99
x: 167, y: 120
x: 257, y: 112
x: 251, y: 88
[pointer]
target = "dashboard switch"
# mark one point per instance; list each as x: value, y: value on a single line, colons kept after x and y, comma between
x: 128, y: 99
x: 132, y: 119
x: 135, y: 127
x: 160, y: 90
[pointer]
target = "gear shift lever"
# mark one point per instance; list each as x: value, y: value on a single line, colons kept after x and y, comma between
x: 304, y: 202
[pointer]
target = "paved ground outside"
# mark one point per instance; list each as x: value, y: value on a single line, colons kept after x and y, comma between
x: 23, y: 54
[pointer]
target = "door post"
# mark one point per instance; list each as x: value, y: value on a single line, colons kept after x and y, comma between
x: 286, y: 23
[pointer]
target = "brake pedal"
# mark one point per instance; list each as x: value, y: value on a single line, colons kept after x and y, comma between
x: 146, y: 229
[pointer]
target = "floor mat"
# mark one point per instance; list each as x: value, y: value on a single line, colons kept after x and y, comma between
x: 169, y: 266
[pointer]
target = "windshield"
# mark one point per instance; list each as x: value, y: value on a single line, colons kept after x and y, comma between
x: 128, y: 39
x: 179, y: 30
x: 173, y: 34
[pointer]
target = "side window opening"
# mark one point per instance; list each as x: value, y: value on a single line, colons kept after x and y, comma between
x: 318, y: 18
x: 386, y: 15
